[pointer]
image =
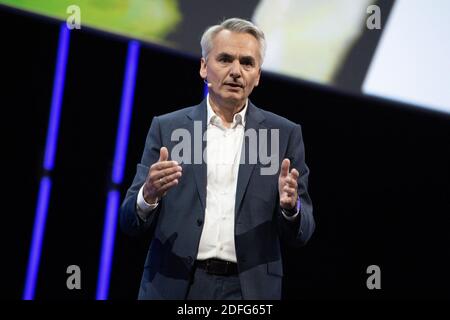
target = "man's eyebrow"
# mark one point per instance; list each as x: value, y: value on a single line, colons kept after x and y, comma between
x: 232, y: 57
x: 248, y: 58
x: 225, y: 55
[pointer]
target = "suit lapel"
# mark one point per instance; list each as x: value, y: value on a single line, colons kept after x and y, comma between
x: 254, y: 118
x: 199, y: 113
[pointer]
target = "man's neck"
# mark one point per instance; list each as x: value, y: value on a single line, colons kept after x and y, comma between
x: 226, y: 111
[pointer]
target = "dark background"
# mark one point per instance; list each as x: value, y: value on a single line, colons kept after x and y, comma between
x: 380, y: 171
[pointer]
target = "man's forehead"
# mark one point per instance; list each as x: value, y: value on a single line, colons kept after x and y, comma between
x: 234, y: 43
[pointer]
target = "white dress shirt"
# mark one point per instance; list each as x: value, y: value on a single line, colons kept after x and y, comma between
x: 223, y: 152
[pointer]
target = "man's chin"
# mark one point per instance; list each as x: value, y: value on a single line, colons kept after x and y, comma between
x: 233, y: 96
x: 234, y: 101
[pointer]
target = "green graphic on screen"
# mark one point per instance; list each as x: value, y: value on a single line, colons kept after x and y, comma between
x: 140, y: 19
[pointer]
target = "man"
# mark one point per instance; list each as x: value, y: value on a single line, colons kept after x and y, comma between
x: 217, y: 222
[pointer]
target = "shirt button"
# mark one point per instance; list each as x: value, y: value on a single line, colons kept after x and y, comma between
x: 189, y: 259
x: 199, y: 222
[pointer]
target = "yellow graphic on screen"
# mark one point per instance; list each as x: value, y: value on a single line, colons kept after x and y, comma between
x: 310, y: 38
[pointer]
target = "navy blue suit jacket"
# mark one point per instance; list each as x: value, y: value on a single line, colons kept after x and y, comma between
x: 176, y: 225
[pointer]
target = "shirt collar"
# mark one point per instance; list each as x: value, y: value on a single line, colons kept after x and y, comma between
x: 212, y: 115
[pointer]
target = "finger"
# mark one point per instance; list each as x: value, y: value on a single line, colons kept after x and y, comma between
x: 294, y: 174
x: 289, y: 190
x: 288, y: 199
x: 167, y: 186
x: 158, y: 174
x: 285, y: 168
x: 291, y: 182
x: 163, y: 154
x: 167, y: 179
x: 163, y: 165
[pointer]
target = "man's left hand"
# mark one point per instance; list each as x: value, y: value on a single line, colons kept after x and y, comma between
x: 287, y: 186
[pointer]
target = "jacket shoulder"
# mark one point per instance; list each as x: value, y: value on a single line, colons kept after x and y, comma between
x: 177, y: 114
x: 275, y: 120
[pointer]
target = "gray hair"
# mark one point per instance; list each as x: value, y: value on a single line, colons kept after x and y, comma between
x: 235, y: 25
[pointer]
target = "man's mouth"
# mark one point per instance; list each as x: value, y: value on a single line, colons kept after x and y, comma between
x: 234, y: 85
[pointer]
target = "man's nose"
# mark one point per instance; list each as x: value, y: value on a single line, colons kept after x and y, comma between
x: 235, y: 71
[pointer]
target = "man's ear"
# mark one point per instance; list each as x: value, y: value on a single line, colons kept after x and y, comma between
x: 203, y: 71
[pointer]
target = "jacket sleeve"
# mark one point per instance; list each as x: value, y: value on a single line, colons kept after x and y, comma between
x: 130, y: 222
x: 298, y: 232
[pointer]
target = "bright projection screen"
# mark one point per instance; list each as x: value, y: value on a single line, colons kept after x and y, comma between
x: 412, y: 59
x: 323, y: 41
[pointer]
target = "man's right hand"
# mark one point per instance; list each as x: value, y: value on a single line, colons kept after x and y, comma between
x: 162, y: 176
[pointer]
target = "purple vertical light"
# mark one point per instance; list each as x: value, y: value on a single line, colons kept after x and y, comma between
x: 58, y: 90
x: 125, y: 112
x: 37, y: 237
x: 112, y: 205
x: 49, y: 160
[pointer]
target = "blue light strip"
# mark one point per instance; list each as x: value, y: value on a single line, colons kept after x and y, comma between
x: 109, y: 231
x: 125, y: 112
x: 112, y: 205
x: 58, y: 90
x: 49, y: 160
x: 205, y: 90
x: 38, y: 235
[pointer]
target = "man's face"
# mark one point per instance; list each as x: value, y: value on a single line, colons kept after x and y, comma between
x: 232, y: 67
